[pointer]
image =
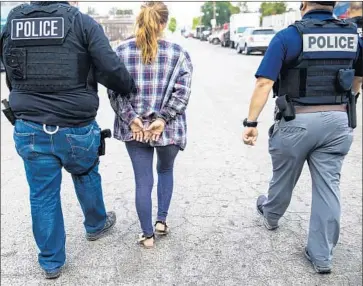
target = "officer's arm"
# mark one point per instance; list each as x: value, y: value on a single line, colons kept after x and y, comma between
x: 266, y: 75
x: 111, y: 70
x: 8, y: 83
x: 357, y: 83
x: 259, y: 97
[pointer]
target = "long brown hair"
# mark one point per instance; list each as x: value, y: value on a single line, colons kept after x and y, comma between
x: 149, y: 27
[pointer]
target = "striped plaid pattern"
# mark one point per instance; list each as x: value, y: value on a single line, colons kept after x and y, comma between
x: 163, y: 90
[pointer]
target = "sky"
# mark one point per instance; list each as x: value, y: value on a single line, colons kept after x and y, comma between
x: 182, y: 11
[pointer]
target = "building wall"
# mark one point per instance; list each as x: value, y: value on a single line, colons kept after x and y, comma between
x: 117, y: 27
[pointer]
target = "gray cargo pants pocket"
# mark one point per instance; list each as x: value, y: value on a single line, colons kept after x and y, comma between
x: 288, y: 152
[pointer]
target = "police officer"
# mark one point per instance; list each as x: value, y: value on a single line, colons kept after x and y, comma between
x: 52, y: 54
x: 311, y: 67
x: 355, y: 16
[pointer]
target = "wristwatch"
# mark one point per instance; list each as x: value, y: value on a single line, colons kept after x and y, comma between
x: 247, y: 123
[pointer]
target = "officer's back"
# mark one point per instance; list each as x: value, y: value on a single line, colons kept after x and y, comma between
x: 287, y: 46
x: 313, y: 66
x: 53, y: 55
x: 50, y: 55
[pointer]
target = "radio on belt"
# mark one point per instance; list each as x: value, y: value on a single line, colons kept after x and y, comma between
x: 37, y: 28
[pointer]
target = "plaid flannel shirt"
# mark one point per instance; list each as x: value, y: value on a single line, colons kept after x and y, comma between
x: 163, y: 90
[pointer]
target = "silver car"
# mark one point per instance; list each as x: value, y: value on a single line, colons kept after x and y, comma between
x: 255, y: 40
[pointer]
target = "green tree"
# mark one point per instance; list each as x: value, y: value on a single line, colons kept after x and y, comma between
x: 233, y: 9
x: 172, y: 25
x: 224, y: 10
x: 196, y: 22
x: 272, y: 8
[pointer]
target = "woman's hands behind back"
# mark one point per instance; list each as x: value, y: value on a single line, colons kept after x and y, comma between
x: 151, y: 133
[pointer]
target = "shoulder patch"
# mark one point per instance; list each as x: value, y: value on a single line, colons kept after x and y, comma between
x: 330, y: 43
x: 37, y: 28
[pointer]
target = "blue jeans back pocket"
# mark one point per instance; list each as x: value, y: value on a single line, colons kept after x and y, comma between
x: 24, y: 144
x: 84, y: 145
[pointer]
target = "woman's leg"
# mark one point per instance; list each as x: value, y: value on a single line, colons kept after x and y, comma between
x: 165, y: 165
x: 142, y: 162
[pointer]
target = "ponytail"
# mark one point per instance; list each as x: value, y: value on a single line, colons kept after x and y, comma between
x: 149, y: 28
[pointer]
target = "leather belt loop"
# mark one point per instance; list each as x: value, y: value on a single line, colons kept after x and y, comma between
x: 338, y: 99
x: 320, y: 108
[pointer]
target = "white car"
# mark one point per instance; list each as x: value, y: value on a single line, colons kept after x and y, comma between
x: 214, y: 38
x: 255, y: 40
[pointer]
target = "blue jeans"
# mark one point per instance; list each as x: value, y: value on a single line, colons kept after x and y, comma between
x: 141, y: 155
x: 44, y: 155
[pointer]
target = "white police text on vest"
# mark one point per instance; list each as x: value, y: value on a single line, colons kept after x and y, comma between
x: 330, y: 43
x: 37, y: 28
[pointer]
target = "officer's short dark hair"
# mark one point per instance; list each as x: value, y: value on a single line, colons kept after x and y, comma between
x: 43, y: 3
x: 324, y: 3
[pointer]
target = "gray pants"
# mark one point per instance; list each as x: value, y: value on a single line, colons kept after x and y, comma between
x: 322, y: 139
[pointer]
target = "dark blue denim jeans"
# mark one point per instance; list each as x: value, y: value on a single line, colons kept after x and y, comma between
x: 141, y: 155
x: 44, y: 155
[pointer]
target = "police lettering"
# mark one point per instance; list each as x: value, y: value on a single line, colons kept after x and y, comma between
x: 39, y: 28
x: 330, y: 42
x: 46, y: 28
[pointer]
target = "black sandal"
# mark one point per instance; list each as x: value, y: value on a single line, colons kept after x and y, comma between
x: 143, y: 239
x: 165, y: 230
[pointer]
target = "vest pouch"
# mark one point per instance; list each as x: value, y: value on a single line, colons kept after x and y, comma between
x: 286, y: 107
x: 344, y: 80
x: 15, y: 61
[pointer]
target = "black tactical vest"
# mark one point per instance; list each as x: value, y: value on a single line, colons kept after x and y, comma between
x: 323, y: 72
x: 41, y: 50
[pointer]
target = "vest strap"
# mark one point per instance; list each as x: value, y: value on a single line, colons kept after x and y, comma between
x: 302, y: 82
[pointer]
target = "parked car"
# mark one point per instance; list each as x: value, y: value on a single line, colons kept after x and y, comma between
x: 238, y: 23
x: 205, y: 34
x: 199, y: 31
x: 255, y: 40
x: 185, y: 33
x: 225, y: 38
x: 214, y: 38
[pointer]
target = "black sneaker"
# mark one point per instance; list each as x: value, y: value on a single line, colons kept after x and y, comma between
x: 318, y: 269
x: 53, y: 274
x: 110, y: 222
x: 259, y: 205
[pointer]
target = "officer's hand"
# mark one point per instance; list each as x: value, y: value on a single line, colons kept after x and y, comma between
x: 137, y: 128
x: 250, y: 136
x: 154, y: 131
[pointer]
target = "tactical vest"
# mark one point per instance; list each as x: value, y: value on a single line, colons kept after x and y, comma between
x: 41, y: 52
x: 323, y: 72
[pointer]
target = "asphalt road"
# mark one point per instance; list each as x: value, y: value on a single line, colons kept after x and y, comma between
x: 217, y: 237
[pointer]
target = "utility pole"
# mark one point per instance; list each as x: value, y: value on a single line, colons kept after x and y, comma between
x: 214, y: 10
x: 214, y: 20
